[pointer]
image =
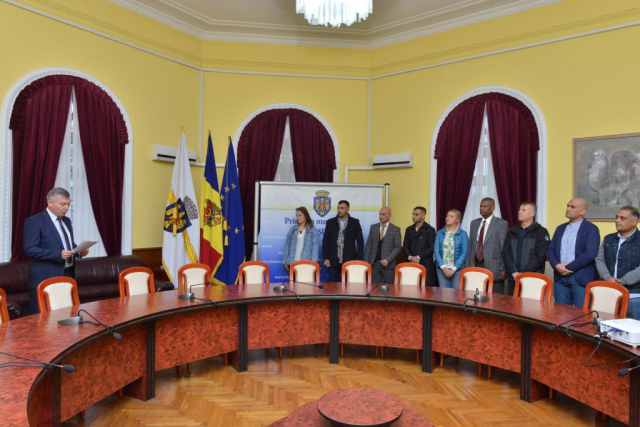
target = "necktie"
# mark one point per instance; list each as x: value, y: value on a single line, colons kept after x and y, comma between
x: 480, y: 249
x: 67, y: 243
x: 383, y: 226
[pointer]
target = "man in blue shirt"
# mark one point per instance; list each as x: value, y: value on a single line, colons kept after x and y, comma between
x: 572, y: 254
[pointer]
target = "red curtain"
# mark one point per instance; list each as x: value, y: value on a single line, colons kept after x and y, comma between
x: 259, y: 150
x: 103, y: 135
x: 38, y: 122
x: 456, y: 153
x: 314, y: 158
x: 514, y: 143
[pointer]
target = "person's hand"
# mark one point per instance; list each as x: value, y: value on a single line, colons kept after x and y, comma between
x: 449, y: 272
x: 286, y: 266
x: 613, y: 280
x: 563, y: 270
x: 67, y: 254
x: 502, y: 275
x: 327, y: 263
x: 85, y: 253
x: 384, y: 262
x: 515, y: 274
x: 413, y: 259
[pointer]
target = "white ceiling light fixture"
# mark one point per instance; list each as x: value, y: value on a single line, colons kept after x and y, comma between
x: 334, y: 12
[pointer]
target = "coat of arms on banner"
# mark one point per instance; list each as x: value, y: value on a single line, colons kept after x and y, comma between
x: 212, y: 214
x: 322, y: 202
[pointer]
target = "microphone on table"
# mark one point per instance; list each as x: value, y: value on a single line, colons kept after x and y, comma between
x: 78, y: 320
x: 190, y: 294
x: 383, y: 288
x: 595, y: 321
x: 480, y: 298
x: 625, y: 372
x: 310, y: 284
x: 283, y: 288
x: 38, y: 363
x: 474, y: 310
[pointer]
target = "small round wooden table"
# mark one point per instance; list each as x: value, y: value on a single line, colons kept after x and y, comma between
x: 359, y: 407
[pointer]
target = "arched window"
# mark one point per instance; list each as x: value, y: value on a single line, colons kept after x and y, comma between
x: 513, y: 140
x: 66, y: 130
x: 260, y: 150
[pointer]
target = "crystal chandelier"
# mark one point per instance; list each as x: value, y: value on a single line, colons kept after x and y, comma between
x: 334, y: 12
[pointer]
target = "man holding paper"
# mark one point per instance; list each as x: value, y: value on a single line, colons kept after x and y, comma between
x: 49, y: 244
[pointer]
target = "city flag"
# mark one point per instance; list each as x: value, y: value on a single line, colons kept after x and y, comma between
x: 180, y: 242
x: 233, y: 228
x: 211, y: 242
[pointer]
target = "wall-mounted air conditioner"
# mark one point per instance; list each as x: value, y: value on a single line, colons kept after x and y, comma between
x: 400, y: 160
x: 163, y: 153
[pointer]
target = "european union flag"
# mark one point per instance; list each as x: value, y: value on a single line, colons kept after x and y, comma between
x: 233, y: 224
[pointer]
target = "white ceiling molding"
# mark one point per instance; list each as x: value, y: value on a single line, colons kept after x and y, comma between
x: 417, y: 21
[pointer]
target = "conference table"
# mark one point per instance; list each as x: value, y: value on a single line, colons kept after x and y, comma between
x: 160, y: 331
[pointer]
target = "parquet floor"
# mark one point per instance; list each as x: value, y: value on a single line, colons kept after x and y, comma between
x: 216, y: 395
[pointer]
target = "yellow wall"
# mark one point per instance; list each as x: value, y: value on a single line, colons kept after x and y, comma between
x: 584, y: 87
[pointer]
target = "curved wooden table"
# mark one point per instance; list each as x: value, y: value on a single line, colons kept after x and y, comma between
x: 160, y: 331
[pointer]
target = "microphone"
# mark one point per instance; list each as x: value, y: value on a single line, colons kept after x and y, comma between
x: 311, y: 284
x: 283, y: 288
x: 625, y: 372
x: 478, y: 297
x: 78, y: 320
x: 190, y: 295
x: 595, y: 321
x: 383, y: 288
x: 474, y: 310
x: 38, y: 363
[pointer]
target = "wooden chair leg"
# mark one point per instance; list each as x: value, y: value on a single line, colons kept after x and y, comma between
x: 189, y: 367
x: 82, y: 414
x: 290, y: 351
x: 279, y: 353
x: 417, y: 356
x: 489, y: 371
x: 120, y: 393
x: 598, y: 414
x: 442, y: 360
x: 382, y: 352
x: 479, y: 369
x: 226, y: 358
x: 552, y: 393
x: 376, y: 347
x: 179, y: 371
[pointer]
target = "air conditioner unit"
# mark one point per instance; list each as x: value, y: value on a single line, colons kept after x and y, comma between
x: 163, y: 153
x: 400, y: 160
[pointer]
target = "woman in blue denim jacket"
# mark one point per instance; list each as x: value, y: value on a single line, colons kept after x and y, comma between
x: 450, y: 250
x: 302, y: 240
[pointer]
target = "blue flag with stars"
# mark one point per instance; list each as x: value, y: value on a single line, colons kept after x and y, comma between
x: 233, y: 224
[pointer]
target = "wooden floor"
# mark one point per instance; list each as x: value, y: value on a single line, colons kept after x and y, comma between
x: 216, y: 395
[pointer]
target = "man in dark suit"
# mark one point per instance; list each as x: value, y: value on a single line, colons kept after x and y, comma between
x: 342, y: 241
x: 419, y: 240
x: 383, y: 246
x: 486, y: 239
x: 572, y: 255
x: 49, y: 244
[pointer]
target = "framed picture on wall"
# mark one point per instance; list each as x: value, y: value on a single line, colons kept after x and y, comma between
x: 606, y: 172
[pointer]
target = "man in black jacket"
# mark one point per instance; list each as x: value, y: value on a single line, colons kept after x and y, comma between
x: 525, y: 249
x: 342, y: 241
x: 419, y: 240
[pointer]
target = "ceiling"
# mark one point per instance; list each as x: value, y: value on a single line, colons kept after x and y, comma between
x: 276, y: 21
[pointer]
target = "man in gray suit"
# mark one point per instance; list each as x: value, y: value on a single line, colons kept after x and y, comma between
x: 383, y: 246
x: 486, y: 240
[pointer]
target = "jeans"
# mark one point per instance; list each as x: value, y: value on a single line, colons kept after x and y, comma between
x: 566, y: 290
x: 446, y: 282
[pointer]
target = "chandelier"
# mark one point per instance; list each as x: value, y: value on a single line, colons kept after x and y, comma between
x: 334, y: 12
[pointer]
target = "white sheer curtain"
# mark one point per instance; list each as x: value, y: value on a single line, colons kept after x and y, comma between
x: 484, y: 181
x: 72, y: 176
x: 285, y: 171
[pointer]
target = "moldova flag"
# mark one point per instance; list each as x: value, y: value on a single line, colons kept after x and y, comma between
x: 211, y: 242
x: 233, y: 228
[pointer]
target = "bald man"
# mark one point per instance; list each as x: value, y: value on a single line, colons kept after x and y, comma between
x: 572, y: 254
x: 383, y: 246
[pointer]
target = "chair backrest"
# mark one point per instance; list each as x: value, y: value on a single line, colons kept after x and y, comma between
x: 410, y: 273
x: 136, y: 281
x: 356, y: 272
x: 56, y: 293
x: 191, y: 274
x: 304, y: 271
x: 608, y: 297
x: 254, y: 272
x: 533, y: 286
x: 4, y: 312
x: 472, y: 278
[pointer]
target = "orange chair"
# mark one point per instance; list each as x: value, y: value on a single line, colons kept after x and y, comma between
x: 136, y: 281
x: 304, y: 271
x: 254, y: 272
x: 533, y: 286
x: 56, y: 293
x: 607, y: 297
x: 192, y: 274
x: 356, y: 272
x: 4, y: 312
x: 410, y: 273
x: 472, y: 278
